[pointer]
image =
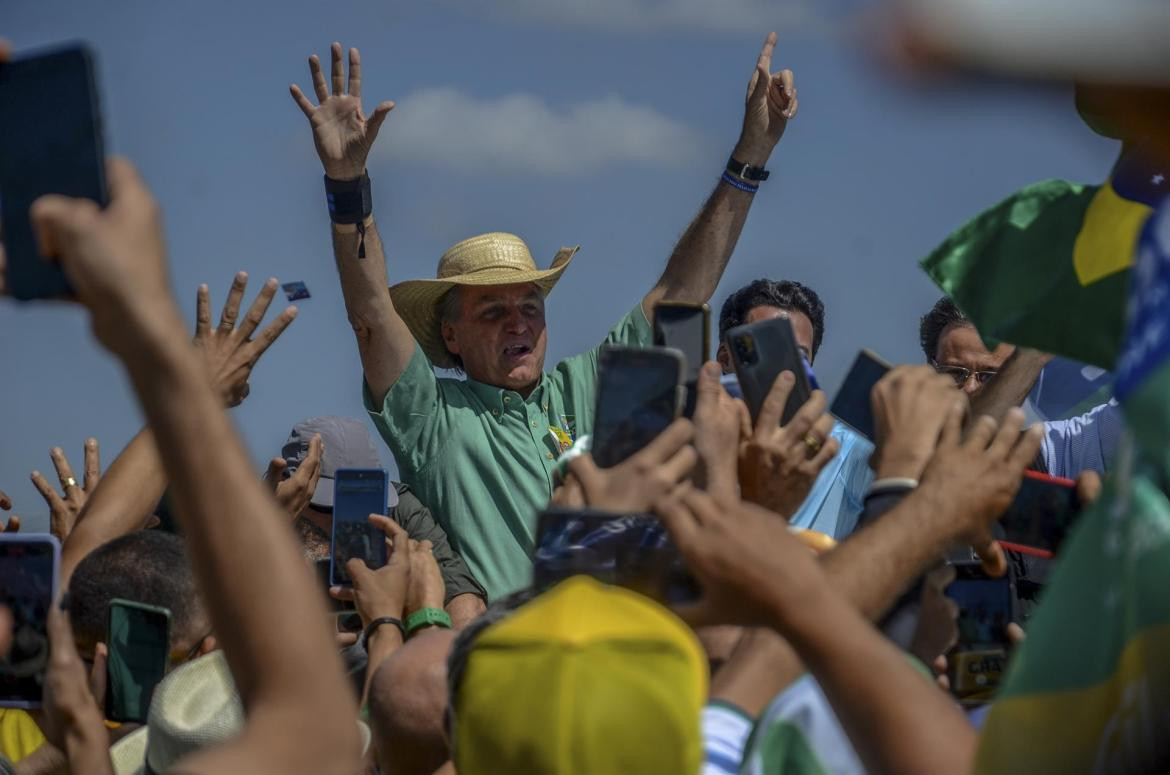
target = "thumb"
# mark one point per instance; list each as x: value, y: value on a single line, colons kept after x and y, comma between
x: 56, y: 222
x: 991, y: 557
x: 97, y: 674
x: 275, y: 470
x: 375, y: 121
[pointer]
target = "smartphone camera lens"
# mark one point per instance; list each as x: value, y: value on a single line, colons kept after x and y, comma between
x: 745, y: 349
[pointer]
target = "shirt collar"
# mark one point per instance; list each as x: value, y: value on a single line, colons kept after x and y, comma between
x: 500, y: 399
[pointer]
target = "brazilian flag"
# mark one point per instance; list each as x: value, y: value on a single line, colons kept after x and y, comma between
x: 1089, y: 690
x: 1048, y: 267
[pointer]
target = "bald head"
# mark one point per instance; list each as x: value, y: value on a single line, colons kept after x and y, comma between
x: 408, y: 699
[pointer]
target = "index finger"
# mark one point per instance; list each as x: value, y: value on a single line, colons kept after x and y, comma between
x: 202, y: 311
x: 773, y: 407
x: 273, y: 331
x: 258, y: 310
x: 93, y: 464
x: 765, y: 60
x: 355, y: 74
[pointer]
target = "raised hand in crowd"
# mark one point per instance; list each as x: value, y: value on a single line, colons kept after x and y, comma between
x: 228, y: 350
x: 341, y: 131
x: 721, y: 423
x: 12, y: 524
x: 910, y: 405
x: 64, y: 509
x: 298, y: 720
x: 937, y: 629
x: 633, y: 485
x: 71, y: 717
x: 295, y: 492
x: 779, y: 464
x: 770, y: 104
x: 753, y: 573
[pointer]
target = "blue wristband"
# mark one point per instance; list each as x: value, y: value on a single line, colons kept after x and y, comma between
x: 731, y: 181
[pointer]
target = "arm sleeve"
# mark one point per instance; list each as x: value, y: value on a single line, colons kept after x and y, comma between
x: 1083, y: 443
x: 409, y: 419
x: 418, y: 522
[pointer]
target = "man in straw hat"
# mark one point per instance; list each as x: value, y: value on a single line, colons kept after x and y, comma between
x: 480, y: 452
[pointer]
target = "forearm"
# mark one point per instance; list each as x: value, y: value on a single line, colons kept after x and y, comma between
x: 123, y: 501
x: 762, y: 665
x: 1011, y: 385
x: 384, y: 342
x: 246, y: 562
x: 46, y: 760
x: 87, y: 745
x: 697, y: 263
x: 383, y: 642
x: 464, y: 608
x: 875, y: 565
x: 896, y: 719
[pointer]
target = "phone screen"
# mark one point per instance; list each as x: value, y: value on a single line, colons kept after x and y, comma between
x: 357, y: 493
x: 684, y: 327
x: 28, y: 586
x: 760, y: 352
x: 50, y: 143
x: 139, y: 652
x: 1040, y: 515
x: 852, y: 404
x: 979, y: 659
x: 633, y: 551
x: 637, y: 398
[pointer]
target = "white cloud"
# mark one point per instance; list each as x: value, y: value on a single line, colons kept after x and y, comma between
x: 522, y: 133
x: 732, y: 16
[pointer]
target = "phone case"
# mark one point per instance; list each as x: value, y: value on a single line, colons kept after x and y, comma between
x: 113, y: 708
x: 606, y: 447
x: 357, y: 529
x: 33, y: 673
x: 760, y: 351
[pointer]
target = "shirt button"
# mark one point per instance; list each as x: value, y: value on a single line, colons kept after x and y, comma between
x: 534, y: 423
x: 548, y: 455
x: 507, y: 399
x: 496, y: 412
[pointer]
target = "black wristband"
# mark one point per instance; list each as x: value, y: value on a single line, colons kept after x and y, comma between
x: 745, y: 170
x: 375, y: 624
x: 349, y: 200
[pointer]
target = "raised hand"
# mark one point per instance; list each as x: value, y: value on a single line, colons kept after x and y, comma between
x: 342, y: 133
x: 228, y: 351
x: 295, y: 492
x: 71, y: 719
x: 974, y: 479
x: 427, y: 589
x: 771, y: 103
x: 721, y: 423
x: 64, y: 509
x: 779, y: 464
x: 382, y: 591
x: 910, y: 405
x: 633, y: 485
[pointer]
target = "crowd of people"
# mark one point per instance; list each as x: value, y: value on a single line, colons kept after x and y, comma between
x: 793, y: 658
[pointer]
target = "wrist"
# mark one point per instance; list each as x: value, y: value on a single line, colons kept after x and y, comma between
x: 901, y: 464
x: 753, y: 152
x: 344, y: 173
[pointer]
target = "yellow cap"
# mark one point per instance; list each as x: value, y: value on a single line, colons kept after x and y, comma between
x: 586, y: 678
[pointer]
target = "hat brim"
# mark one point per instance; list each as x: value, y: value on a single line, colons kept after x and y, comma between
x: 417, y: 301
x: 128, y: 755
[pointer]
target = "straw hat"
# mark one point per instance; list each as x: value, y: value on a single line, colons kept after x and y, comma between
x: 497, y: 258
x: 196, y: 707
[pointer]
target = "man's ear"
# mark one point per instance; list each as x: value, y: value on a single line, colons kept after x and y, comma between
x: 207, y: 645
x: 447, y: 331
x: 724, y: 358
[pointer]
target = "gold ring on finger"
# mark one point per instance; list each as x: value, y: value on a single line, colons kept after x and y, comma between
x: 69, y: 481
x: 812, y: 442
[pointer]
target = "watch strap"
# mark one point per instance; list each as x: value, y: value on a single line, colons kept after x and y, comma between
x: 426, y: 617
x: 745, y: 170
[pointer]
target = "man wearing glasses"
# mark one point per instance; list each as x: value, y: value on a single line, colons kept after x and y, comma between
x: 996, y: 380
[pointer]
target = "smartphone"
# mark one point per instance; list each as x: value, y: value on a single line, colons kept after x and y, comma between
x: 633, y: 551
x: 139, y: 642
x: 1040, y: 516
x: 639, y: 394
x: 760, y: 351
x: 978, y: 662
x: 357, y: 493
x: 686, y: 328
x: 29, y: 565
x: 50, y: 143
x: 852, y: 404
x: 321, y: 569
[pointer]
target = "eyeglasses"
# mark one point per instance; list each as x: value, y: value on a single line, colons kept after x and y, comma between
x: 960, y: 374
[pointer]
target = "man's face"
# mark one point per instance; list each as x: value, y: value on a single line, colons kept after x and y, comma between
x: 500, y: 334
x: 960, y: 347
x: 802, y: 330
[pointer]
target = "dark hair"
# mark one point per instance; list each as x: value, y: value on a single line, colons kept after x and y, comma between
x: 933, y: 323
x: 784, y: 294
x: 149, y: 567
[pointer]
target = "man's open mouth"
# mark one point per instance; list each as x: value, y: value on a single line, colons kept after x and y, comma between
x: 517, y: 350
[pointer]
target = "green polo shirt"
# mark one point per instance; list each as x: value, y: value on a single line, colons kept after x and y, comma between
x: 481, y: 457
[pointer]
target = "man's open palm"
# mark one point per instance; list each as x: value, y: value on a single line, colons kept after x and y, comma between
x: 342, y: 133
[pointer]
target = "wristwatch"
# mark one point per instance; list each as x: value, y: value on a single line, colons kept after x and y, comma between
x: 427, y: 617
x: 745, y: 170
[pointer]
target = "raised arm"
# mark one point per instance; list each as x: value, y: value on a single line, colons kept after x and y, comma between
x: 260, y: 596
x: 1011, y: 385
x: 701, y: 255
x: 343, y: 136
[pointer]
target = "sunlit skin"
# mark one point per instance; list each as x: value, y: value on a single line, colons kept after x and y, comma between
x: 802, y: 331
x: 960, y: 345
x: 500, y: 335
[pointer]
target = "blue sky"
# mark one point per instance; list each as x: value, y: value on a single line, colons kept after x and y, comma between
x: 603, y: 124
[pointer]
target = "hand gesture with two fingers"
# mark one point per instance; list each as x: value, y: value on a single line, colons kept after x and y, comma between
x: 65, y: 509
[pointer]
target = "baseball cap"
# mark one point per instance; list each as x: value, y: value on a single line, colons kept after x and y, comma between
x: 587, y: 678
x: 347, y: 445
